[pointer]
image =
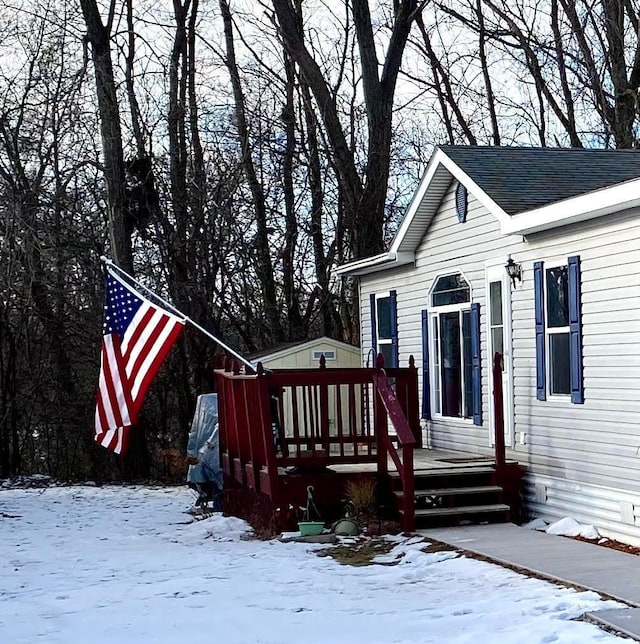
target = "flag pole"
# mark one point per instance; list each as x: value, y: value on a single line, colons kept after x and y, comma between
x: 111, y: 265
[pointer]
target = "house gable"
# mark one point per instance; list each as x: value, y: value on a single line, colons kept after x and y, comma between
x: 428, y: 199
x: 527, y: 190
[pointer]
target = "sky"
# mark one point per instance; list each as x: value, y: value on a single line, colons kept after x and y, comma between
x: 123, y: 565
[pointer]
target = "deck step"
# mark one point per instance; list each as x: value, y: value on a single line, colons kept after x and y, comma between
x: 452, y: 491
x: 453, y: 471
x: 467, y: 509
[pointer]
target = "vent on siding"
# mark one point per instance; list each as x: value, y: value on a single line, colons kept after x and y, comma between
x: 461, y: 203
x: 328, y: 355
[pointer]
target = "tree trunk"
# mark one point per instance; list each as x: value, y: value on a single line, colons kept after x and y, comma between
x: 114, y: 170
x: 261, y: 243
x: 364, y: 200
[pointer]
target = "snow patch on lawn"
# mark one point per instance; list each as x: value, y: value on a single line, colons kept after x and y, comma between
x: 123, y: 565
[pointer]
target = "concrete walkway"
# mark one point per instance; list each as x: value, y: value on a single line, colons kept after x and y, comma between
x: 604, y: 570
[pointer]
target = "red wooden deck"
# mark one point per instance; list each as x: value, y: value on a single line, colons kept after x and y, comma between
x: 283, y: 430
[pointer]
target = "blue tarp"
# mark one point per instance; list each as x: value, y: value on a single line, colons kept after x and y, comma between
x: 204, y: 442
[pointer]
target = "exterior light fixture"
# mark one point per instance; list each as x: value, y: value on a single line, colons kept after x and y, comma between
x: 514, y: 271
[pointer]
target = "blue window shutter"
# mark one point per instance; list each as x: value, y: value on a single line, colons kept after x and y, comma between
x: 426, y: 388
x: 394, y: 328
x: 476, y: 372
x: 538, y: 291
x: 575, y: 329
x: 374, y: 332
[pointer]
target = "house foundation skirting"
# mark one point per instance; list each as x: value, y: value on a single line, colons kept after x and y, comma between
x: 614, y: 512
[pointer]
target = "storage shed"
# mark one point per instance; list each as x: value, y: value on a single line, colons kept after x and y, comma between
x: 306, y: 355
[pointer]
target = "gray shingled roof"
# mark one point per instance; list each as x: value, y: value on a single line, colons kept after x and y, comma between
x: 519, y: 179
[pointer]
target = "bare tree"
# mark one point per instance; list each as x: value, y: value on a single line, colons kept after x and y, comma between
x: 364, y: 195
x: 582, y: 60
x: 98, y: 35
x: 261, y: 242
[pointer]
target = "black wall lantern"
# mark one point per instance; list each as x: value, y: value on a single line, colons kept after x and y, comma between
x: 514, y: 271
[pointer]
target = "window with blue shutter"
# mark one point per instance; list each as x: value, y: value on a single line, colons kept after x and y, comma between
x: 558, y: 322
x: 384, y: 327
x: 426, y: 393
x: 538, y: 291
x: 374, y: 332
x: 575, y: 331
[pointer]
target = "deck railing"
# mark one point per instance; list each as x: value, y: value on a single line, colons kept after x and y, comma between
x: 313, y: 418
x: 498, y: 420
x: 322, y: 416
x: 389, y: 411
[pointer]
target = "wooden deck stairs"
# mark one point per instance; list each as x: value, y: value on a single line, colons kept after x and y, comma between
x: 455, y: 496
x: 284, y: 430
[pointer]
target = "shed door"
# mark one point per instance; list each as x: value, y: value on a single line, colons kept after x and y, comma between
x: 498, y: 329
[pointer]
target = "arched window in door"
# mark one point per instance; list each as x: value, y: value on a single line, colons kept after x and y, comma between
x: 452, y: 326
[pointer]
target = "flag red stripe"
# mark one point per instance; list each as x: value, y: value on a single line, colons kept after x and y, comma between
x: 110, y: 387
x: 102, y: 417
x: 157, y: 362
x: 148, y: 340
x: 126, y: 387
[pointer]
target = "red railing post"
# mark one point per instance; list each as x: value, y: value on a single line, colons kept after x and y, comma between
x: 268, y: 480
x: 408, y: 491
x: 380, y: 423
x: 498, y: 406
x: 324, y: 410
x: 223, y: 423
x: 413, y: 405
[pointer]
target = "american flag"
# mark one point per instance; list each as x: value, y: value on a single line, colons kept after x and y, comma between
x: 137, y: 335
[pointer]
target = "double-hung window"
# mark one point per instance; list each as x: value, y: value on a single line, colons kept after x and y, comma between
x: 384, y: 327
x: 558, y: 320
x: 455, y: 346
x: 557, y: 330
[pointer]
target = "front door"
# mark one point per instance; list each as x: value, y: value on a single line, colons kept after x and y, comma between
x: 498, y: 321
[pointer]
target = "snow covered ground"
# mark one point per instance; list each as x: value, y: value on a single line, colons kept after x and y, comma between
x: 118, y: 565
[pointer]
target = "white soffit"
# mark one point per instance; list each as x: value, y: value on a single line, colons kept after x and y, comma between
x: 376, y: 263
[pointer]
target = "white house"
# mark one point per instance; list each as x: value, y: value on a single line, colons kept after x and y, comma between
x: 567, y: 224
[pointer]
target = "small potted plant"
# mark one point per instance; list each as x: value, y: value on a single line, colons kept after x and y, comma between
x: 311, y: 524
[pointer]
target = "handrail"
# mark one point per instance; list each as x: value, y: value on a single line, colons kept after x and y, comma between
x: 389, y: 410
x: 394, y: 411
x: 498, y: 416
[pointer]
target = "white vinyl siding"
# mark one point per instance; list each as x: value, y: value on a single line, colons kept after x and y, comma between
x: 448, y: 247
x: 595, y: 444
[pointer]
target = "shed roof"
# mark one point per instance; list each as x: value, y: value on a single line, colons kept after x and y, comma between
x: 285, y: 348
